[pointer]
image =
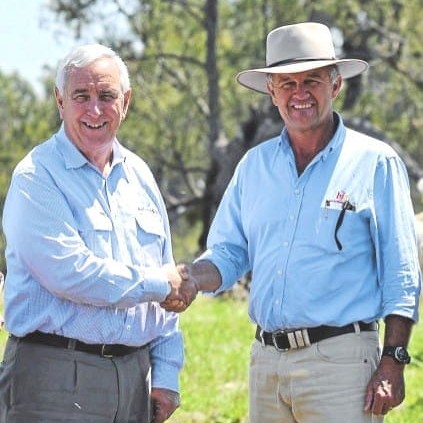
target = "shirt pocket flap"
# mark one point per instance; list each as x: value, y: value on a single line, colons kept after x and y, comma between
x: 98, y: 220
x: 150, y: 222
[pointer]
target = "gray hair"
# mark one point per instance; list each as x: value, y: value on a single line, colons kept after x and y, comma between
x: 333, y: 72
x: 83, y: 56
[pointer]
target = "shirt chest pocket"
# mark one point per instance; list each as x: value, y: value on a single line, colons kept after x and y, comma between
x: 341, y: 230
x: 95, y: 228
x: 151, y: 235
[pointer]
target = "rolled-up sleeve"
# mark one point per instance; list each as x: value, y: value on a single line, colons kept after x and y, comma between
x: 396, y: 241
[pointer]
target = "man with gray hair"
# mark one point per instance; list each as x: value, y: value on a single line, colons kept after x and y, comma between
x: 322, y: 217
x: 89, y: 259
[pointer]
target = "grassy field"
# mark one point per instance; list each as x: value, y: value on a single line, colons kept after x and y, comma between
x: 214, y: 386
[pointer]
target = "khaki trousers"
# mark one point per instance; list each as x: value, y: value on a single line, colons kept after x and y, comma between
x: 323, y: 383
x: 42, y: 384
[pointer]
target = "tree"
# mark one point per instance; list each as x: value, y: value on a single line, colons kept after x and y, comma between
x: 192, y: 122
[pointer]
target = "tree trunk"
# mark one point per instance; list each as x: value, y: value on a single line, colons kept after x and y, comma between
x: 209, y: 202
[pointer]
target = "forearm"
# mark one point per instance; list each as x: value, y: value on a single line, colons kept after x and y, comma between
x: 74, y: 264
x: 207, y: 275
x: 397, y: 330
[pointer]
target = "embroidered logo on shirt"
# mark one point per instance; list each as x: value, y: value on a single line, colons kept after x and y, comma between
x: 340, y: 202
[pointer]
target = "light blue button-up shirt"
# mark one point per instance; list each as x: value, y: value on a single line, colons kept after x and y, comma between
x: 84, y: 253
x: 282, y: 227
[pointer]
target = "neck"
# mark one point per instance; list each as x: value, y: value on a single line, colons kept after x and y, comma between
x: 101, y: 160
x: 306, y: 145
x: 104, y: 165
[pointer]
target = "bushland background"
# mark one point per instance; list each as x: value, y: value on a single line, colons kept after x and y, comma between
x: 192, y: 123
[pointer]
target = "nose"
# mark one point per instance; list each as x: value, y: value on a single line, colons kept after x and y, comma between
x: 94, y: 107
x: 301, y: 90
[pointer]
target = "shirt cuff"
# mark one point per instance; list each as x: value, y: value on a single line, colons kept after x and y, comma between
x: 156, y: 285
x: 165, y: 376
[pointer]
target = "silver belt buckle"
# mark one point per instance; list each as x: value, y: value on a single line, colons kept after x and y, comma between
x: 275, y: 344
x: 297, y: 338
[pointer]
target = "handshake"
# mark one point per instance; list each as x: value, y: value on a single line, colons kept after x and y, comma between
x: 184, y: 287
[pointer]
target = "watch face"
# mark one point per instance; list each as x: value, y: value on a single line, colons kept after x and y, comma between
x: 401, y: 355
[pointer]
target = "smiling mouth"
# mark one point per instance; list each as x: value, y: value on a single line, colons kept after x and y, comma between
x: 90, y: 126
x: 302, y: 106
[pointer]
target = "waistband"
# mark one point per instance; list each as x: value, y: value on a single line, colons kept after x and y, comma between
x: 102, y: 350
x: 284, y: 340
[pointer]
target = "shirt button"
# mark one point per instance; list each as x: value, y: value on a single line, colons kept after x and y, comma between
x: 128, y: 327
x: 286, y: 243
x: 291, y: 217
x: 279, y: 272
x: 297, y: 192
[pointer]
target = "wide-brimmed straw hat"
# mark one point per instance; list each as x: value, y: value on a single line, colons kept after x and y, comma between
x: 298, y: 48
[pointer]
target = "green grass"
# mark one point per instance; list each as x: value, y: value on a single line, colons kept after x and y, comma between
x: 214, y: 382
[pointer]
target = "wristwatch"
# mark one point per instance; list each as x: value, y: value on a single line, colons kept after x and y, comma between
x: 399, y: 354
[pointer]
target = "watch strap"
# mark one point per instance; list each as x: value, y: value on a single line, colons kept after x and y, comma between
x: 398, y: 353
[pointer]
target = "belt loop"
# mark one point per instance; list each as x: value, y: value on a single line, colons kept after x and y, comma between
x: 71, y: 344
x: 306, y: 338
x: 292, y: 341
x: 356, y: 328
x: 262, y: 337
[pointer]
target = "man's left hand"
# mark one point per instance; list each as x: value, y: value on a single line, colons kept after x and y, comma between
x: 386, y: 388
x: 163, y: 403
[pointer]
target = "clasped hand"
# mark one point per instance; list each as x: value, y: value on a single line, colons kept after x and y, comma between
x: 184, y: 288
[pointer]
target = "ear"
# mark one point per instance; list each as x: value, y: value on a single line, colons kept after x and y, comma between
x: 126, y: 100
x: 336, y: 87
x: 59, y: 101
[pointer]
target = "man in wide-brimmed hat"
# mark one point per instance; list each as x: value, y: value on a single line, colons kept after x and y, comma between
x: 322, y: 217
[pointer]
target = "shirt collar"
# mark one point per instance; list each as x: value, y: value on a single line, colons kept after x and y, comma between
x: 334, y: 143
x: 74, y: 158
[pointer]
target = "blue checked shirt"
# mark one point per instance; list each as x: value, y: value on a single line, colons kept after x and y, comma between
x: 332, y: 246
x: 84, y: 253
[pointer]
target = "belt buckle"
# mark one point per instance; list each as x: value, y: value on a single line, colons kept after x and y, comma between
x: 297, y: 338
x: 275, y: 344
x: 103, y: 351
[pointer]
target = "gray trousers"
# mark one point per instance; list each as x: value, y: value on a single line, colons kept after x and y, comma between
x: 43, y: 384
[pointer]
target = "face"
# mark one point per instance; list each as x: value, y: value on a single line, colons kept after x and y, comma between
x: 304, y: 99
x: 93, y: 106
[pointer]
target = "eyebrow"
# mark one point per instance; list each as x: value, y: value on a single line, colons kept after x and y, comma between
x: 79, y: 91
x: 102, y: 91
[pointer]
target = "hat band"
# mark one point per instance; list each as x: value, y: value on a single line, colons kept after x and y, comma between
x: 292, y: 61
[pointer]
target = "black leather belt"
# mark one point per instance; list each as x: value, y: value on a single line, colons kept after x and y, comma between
x: 284, y: 340
x: 103, y: 350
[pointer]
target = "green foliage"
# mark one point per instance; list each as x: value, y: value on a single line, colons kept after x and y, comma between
x: 172, y: 121
x: 164, y: 43
x: 165, y: 46
x: 26, y: 120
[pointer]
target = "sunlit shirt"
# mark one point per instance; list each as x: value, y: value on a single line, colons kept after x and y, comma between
x: 332, y: 246
x: 84, y: 253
